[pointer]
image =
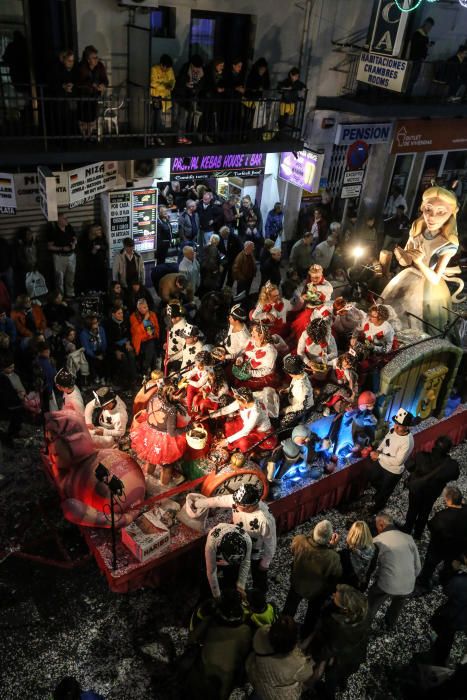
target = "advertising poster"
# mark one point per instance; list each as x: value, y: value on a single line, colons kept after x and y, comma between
x: 144, y: 216
x: 302, y: 169
x: 119, y: 219
x: 84, y: 183
x: 7, y: 194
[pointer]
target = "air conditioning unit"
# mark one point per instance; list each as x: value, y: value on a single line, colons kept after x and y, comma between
x: 142, y: 173
x: 149, y: 4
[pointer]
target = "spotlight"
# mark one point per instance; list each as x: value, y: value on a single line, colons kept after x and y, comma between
x: 358, y: 252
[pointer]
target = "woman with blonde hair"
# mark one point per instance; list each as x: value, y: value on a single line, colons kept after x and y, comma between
x: 272, y: 308
x: 419, y: 293
x: 358, y: 559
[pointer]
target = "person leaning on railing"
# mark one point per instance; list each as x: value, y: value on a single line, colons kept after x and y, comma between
x: 91, y: 84
x: 290, y: 90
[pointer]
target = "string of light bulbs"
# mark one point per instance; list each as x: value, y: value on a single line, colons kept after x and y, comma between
x: 401, y: 4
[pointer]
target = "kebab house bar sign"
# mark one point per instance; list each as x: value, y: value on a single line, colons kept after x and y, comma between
x: 420, y: 135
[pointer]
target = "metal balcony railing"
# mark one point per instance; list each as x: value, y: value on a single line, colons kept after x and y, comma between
x: 32, y: 115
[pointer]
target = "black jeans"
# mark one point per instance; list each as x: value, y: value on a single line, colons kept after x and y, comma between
x: 148, y: 355
x: 417, y: 514
x: 376, y: 597
x: 312, y: 612
x: 442, y: 646
x: 434, y: 556
x: 384, y: 482
x: 260, y: 577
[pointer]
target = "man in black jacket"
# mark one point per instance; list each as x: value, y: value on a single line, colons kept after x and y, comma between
x: 429, y: 474
x: 210, y: 217
x: 448, y: 530
x: 418, y: 52
x: 451, y: 616
x: 229, y: 247
x: 121, y: 352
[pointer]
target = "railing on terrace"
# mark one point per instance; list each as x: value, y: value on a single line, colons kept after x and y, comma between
x: 34, y: 115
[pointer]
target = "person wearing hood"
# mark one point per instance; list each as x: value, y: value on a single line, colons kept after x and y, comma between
x: 106, y: 417
x: 254, y: 518
x: 316, y: 568
x: 358, y: 559
x: 277, y: 668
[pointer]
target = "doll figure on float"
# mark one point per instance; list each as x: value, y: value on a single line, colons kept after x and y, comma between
x: 420, y: 288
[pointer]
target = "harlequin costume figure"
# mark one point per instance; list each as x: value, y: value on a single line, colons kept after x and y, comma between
x: 253, y: 517
x: 299, y: 393
x: 257, y: 362
x: 197, y: 377
x: 316, y: 343
x: 250, y: 426
x: 273, y: 309
x: 175, y: 339
x: 347, y: 379
x: 158, y: 434
x: 316, y: 293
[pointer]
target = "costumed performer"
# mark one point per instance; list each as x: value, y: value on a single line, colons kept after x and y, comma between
x: 255, y: 366
x: 316, y: 344
x: 106, y: 417
x: 209, y: 396
x: 70, y: 395
x: 254, y: 518
x: 420, y: 288
x: 376, y: 330
x: 238, y: 335
x: 175, y: 341
x: 363, y: 422
x: 192, y: 345
x: 250, y: 426
x: 299, y: 392
x: 228, y: 548
x: 292, y: 452
x: 316, y: 293
x: 273, y: 309
x: 158, y: 434
x: 198, y: 377
x: 148, y: 388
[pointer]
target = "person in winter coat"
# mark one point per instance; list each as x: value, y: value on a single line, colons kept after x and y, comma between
x: 128, y: 266
x: 211, y: 269
x: 210, y: 217
x: 134, y: 293
x: 271, y: 269
x: 29, y: 318
x: 429, y: 474
x: 91, y: 260
x: 121, y: 352
x: 188, y: 85
x: 277, y: 668
x: 225, y: 640
x: 94, y: 341
x: 397, y: 570
x: 162, y: 84
x: 244, y: 268
x: 340, y: 642
x: 25, y: 256
x: 257, y: 82
x: 56, y: 311
x: 164, y: 235
x: 12, y: 394
x: 188, y: 224
x: 173, y: 286
x: 451, y: 616
x: 7, y: 325
x: 229, y: 247
x: 91, y: 84
x: 316, y: 568
x: 291, y: 90
x: 274, y: 225
x: 358, y: 559
x: 145, y: 335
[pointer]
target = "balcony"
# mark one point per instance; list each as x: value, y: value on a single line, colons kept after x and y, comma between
x: 428, y: 98
x: 38, y: 128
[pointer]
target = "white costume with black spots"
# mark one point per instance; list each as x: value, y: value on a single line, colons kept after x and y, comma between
x: 112, y: 422
x: 259, y: 525
x: 176, y: 342
x: 189, y: 352
x: 394, y: 450
x: 236, y: 342
x: 261, y: 358
x: 316, y: 352
x: 214, y: 558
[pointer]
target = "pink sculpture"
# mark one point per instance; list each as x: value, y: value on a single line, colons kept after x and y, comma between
x: 72, y: 461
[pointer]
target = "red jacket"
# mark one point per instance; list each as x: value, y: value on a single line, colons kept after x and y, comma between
x: 141, y: 333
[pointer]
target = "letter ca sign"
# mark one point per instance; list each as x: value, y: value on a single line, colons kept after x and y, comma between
x: 389, y: 29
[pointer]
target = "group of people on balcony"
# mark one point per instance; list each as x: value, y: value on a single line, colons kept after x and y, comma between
x: 452, y: 71
x: 218, y: 98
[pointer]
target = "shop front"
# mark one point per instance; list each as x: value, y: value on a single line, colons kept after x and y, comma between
x: 428, y: 151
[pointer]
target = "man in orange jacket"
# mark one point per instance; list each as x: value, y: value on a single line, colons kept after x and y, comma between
x: 145, y: 334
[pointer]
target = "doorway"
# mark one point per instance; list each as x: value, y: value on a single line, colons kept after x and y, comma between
x: 224, y: 34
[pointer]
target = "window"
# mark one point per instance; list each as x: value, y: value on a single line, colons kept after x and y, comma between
x: 202, y: 37
x: 163, y: 23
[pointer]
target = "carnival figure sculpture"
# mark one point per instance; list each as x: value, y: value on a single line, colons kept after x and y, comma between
x: 420, y: 288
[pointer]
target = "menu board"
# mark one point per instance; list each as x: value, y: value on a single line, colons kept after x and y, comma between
x: 144, y: 217
x: 133, y: 214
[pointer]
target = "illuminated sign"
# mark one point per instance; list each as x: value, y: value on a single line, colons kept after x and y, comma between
x: 302, y: 169
x: 223, y: 165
